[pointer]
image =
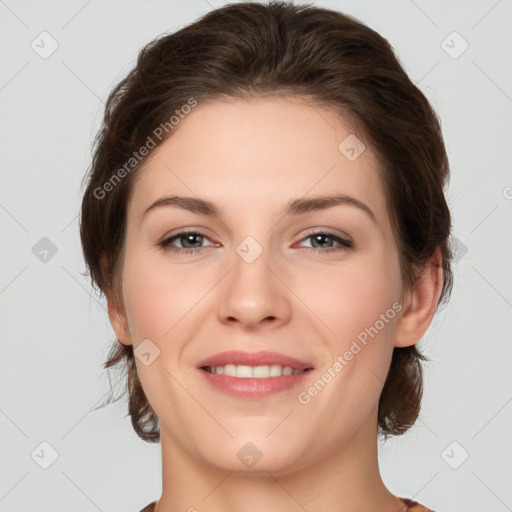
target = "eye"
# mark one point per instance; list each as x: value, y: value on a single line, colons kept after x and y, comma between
x: 325, y: 239
x: 192, y: 242
x: 187, y: 239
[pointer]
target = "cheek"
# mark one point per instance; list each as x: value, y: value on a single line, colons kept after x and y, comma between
x: 155, y: 299
x: 349, y: 298
x: 161, y: 298
x: 360, y: 305
x: 342, y: 299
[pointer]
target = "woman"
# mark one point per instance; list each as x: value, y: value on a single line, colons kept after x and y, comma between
x: 266, y: 217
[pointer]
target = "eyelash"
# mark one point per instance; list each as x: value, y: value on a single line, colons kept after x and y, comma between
x: 344, y: 244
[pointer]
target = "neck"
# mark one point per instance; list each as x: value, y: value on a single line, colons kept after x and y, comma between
x: 347, y: 479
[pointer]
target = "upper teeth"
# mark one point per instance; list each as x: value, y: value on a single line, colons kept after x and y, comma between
x: 259, y: 372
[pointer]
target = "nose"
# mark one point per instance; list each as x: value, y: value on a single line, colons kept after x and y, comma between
x: 253, y: 295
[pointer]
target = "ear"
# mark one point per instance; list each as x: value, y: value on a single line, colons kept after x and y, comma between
x: 117, y: 317
x: 116, y: 311
x: 420, y: 304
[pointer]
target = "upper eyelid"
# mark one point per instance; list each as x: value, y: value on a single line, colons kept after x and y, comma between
x: 186, y: 232
x: 326, y: 231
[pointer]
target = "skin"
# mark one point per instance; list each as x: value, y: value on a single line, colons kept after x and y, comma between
x: 250, y: 157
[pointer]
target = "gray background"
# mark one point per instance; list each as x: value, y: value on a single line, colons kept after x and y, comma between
x: 55, y: 334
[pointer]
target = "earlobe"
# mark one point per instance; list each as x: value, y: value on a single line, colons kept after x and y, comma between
x: 421, y: 303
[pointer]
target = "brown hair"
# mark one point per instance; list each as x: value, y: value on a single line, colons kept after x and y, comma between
x: 249, y: 50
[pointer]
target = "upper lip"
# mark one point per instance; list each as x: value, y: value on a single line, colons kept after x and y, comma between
x: 261, y: 358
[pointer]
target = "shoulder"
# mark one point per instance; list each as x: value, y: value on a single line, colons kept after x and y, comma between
x: 150, y: 507
x: 414, y: 506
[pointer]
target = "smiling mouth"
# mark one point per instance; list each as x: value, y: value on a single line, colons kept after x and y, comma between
x: 253, y: 372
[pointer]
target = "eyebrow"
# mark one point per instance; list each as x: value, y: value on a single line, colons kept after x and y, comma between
x: 294, y: 207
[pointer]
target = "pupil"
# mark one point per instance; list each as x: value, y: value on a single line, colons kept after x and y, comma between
x: 189, y: 238
x: 317, y: 238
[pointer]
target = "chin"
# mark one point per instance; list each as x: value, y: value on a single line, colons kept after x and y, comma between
x: 257, y: 456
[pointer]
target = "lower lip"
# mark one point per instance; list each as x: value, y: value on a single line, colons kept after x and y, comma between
x: 252, y: 388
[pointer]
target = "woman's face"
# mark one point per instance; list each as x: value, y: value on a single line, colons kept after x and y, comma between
x: 256, y: 279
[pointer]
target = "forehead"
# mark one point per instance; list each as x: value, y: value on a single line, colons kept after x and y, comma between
x: 260, y: 152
